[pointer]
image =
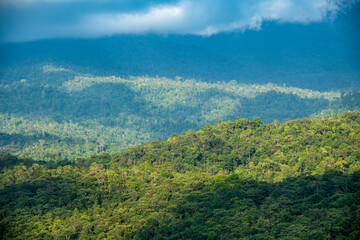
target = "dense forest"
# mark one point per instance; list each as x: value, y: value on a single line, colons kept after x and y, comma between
x: 180, y: 119
x: 244, y: 179
x: 50, y: 112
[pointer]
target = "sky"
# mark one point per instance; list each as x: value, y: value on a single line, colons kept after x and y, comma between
x: 28, y: 20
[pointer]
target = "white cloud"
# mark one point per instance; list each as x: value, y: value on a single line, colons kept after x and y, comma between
x: 157, y: 19
x: 201, y: 17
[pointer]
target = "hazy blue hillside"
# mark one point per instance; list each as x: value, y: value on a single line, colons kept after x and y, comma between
x: 320, y: 56
x: 59, y: 112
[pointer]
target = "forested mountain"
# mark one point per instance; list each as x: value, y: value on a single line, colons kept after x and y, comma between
x: 233, y: 180
x: 180, y: 119
x: 57, y: 112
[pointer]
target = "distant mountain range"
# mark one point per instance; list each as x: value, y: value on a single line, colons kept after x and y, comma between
x: 323, y: 56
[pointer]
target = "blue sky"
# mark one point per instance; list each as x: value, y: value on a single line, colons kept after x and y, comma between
x: 26, y: 20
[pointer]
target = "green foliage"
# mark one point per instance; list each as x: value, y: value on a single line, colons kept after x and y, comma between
x: 234, y: 180
x: 260, y: 151
x: 140, y: 202
x: 55, y: 112
x: 349, y: 101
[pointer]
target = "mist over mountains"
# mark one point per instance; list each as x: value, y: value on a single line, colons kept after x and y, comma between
x: 321, y: 56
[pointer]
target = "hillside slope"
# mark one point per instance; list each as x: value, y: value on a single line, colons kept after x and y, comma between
x: 268, y: 152
x: 233, y: 180
x: 57, y: 112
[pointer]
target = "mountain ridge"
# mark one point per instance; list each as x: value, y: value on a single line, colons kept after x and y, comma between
x: 297, y: 180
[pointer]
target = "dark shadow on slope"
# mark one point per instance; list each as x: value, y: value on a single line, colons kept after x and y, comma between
x: 267, y: 106
x: 307, y: 207
x: 101, y: 100
x: 116, y: 105
x: 274, y: 105
x: 20, y: 139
